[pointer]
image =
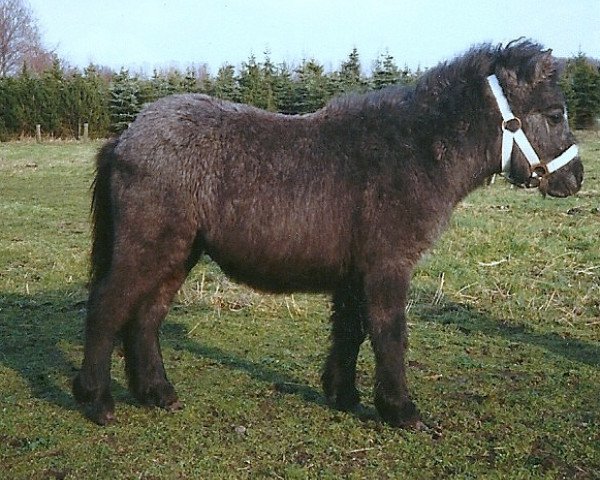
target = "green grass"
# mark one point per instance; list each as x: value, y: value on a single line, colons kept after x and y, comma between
x: 504, y: 359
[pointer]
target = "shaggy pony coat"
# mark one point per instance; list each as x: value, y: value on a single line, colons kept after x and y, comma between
x: 344, y: 200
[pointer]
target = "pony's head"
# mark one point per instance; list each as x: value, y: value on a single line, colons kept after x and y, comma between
x: 538, y: 148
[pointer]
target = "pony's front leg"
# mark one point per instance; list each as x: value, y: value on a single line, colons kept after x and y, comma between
x: 386, y: 295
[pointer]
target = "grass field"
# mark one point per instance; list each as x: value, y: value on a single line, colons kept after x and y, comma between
x: 504, y: 360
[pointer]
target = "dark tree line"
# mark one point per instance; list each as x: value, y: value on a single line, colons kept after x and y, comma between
x: 62, y: 100
x: 61, y: 103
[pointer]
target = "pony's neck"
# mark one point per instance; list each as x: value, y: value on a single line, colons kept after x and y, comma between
x: 461, y: 131
x: 470, y: 154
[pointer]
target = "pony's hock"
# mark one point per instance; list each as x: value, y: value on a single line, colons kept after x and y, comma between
x: 344, y: 200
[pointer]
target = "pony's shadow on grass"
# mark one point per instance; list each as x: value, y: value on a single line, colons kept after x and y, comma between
x: 175, y: 335
x: 32, y: 328
x: 40, y: 335
x: 470, y: 320
x: 467, y: 319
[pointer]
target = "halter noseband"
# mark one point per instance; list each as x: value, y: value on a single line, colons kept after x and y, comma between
x: 512, y: 133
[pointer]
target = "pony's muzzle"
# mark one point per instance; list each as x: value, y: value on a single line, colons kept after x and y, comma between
x: 564, y: 182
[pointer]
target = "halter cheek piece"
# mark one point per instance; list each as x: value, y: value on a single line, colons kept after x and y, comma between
x: 512, y: 133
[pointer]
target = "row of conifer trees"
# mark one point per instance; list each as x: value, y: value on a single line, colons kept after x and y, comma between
x: 61, y: 101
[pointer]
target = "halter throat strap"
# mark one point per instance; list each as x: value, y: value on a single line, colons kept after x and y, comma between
x: 512, y: 133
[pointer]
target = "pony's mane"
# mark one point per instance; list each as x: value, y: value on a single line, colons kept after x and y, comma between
x: 519, y: 56
x: 449, y: 79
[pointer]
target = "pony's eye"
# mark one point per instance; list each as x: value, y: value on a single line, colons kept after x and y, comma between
x: 555, y: 117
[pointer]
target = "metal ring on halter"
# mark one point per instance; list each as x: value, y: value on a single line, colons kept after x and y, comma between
x: 506, y: 122
x: 539, y: 171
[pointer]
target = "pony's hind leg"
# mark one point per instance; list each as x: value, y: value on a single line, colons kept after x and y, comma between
x: 108, y: 310
x: 143, y: 359
x: 347, y: 335
x: 149, y: 263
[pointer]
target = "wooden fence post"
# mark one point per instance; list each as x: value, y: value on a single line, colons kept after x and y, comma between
x: 86, y: 132
x: 38, y: 133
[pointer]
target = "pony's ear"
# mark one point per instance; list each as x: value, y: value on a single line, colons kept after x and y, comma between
x: 545, y: 67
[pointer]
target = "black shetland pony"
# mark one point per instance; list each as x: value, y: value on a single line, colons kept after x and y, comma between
x: 345, y: 200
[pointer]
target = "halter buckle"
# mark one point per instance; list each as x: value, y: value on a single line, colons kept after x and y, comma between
x: 512, y: 124
x: 539, y: 171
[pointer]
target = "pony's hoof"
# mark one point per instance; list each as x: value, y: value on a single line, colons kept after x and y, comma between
x: 344, y: 404
x: 419, y: 426
x: 100, y: 416
x: 344, y: 399
x: 405, y: 416
x: 160, y: 395
x: 99, y: 405
x: 174, y: 406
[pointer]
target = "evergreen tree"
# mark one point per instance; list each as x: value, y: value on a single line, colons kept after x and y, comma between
x: 95, y: 110
x: 74, y: 105
x: 269, y: 80
x: 225, y: 85
x: 124, y: 102
x: 10, y: 108
x: 189, y: 83
x: 85, y: 102
x: 283, y: 89
x: 251, y: 84
x: 50, y: 104
x: 313, y: 87
x: 156, y: 88
x: 207, y: 86
x: 349, y: 77
x: 26, y: 94
x: 385, y: 72
x: 581, y: 84
x: 39, y: 101
x: 175, y: 81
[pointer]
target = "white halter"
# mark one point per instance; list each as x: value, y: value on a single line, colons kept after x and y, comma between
x: 509, y: 137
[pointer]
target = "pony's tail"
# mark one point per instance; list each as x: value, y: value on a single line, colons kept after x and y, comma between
x: 102, y: 221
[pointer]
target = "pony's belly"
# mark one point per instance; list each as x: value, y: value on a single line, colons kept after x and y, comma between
x: 280, y: 270
x: 282, y: 243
